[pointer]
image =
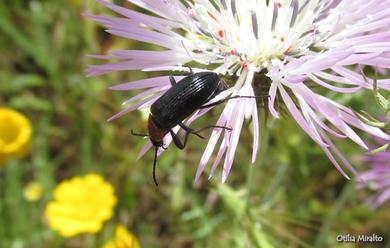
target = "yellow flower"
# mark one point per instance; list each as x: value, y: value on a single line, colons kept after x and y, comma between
x: 15, y: 134
x: 80, y: 205
x: 32, y: 192
x: 122, y: 239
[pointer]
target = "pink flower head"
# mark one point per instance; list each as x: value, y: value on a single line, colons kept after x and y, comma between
x: 292, y: 42
x: 377, y: 178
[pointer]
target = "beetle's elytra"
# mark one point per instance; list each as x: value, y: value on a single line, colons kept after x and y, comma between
x: 184, y: 97
x: 181, y: 100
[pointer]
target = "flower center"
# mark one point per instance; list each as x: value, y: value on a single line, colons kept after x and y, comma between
x: 251, y: 34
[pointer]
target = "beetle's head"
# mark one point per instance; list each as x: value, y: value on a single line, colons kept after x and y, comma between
x: 158, y: 143
x: 156, y: 134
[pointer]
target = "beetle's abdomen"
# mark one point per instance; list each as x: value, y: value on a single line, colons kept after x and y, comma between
x: 184, y: 98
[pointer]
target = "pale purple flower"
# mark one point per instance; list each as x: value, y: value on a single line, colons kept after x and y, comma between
x: 377, y: 178
x: 292, y: 42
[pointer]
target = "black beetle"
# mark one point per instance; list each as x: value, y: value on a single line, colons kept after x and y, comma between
x: 179, y: 102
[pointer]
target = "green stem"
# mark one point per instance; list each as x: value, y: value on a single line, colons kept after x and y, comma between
x: 333, y: 214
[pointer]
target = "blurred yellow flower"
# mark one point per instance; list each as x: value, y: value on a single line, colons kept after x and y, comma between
x: 81, y: 205
x: 32, y: 192
x: 122, y: 239
x: 15, y: 134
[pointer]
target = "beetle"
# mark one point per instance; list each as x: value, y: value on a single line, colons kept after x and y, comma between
x: 180, y: 101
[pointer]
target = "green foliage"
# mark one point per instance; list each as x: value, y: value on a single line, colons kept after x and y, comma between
x: 291, y: 197
x: 384, y: 106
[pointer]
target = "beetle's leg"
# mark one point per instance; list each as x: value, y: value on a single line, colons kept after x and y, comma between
x: 196, y: 132
x: 213, y: 126
x: 172, y: 79
x: 190, y: 130
x: 191, y: 71
x: 176, y: 138
x: 228, y: 98
x: 181, y: 145
x: 177, y: 141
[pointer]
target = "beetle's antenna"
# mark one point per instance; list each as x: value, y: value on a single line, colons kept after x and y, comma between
x: 154, y: 165
x: 139, y: 134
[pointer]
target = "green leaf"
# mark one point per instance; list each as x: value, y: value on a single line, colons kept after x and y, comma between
x: 233, y: 199
x: 262, y: 239
x: 31, y: 102
x: 382, y: 101
x: 380, y: 149
x: 368, y: 121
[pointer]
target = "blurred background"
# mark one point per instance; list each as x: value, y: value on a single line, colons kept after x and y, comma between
x: 291, y: 197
